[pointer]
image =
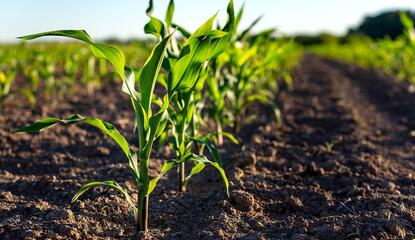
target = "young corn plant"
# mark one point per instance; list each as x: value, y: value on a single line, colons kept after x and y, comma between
x: 218, y: 86
x: 149, y: 125
x: 237, y: 78
x: 6, y: 80
x: 187, y: 68
x: 183, y: 73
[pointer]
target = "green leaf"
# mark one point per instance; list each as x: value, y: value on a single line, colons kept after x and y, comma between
x: 187, y: 68
x: 219, y: 44
x: 212, y: 149
x: 150, y: 71
x: 231, y: 137
x: 406, y: 20
x: 169, y: 13
x: 106, y: 127
x: 154, y: 121
x: 230, y: 24
x: 112, y: 54
x: 245, y: 33
x: 149, y: 9
x: 247, y: 55
x: 239, y: 16
x: 133, y: 165
x: 196, y: 169
x: 155, y: 27
x: 217, y: 34
x: 182, y: 30
x: 223, y: 174
x: 203, y: 160
x: 166, y: 167
x: 128, y: 85
x: 205, y: 28
x: 111, y: 184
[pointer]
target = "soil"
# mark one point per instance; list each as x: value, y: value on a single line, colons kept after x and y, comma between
x: 342, y: 166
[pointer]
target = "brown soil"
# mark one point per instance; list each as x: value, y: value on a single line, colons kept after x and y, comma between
x: 341, y: 167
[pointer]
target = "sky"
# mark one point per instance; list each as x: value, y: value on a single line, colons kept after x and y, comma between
x: 126, y: 18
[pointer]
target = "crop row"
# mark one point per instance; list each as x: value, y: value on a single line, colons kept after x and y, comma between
x: 214, y: 72
x: 395, y: 57
x: 58, y: 71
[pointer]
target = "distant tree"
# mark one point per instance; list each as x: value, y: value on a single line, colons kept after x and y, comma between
x: 386, y: 24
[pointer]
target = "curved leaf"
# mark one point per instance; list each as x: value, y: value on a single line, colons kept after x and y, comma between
x: 166, y: 167
x: 128, y: 85
x: 212, y: 149
x: 106, y: 127
x: 202, y: 160
x: 111, y: 184
x: 182, y: 30
x: 155, y: 27
x: 112, y: 54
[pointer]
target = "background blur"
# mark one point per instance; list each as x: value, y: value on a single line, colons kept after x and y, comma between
x: 125, y: 19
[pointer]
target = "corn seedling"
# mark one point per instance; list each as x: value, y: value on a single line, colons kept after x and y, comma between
x: 240, y: 77
x: 186, y: 66
x: 149, y: 126
x: 184, y: 72
x: 6, y: 80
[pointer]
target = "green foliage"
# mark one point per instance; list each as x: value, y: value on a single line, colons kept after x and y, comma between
x: 244, y: 74
x: 6, y: 80
x: 394, y: 57
x: 60, y: 70
x: 214, y: 69
x: 186, y: 68
x: 148, y: 125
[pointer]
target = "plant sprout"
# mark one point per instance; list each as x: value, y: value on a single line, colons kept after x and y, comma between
x: 183, y: 75
x: 149, y: 126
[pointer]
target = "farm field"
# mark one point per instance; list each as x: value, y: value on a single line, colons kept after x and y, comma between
x: 218, y: 132
x: 339, y: 166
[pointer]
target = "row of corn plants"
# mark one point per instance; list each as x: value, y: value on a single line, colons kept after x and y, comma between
x: 214, y: 72
x: 394, y: 57
x: 58, y: 71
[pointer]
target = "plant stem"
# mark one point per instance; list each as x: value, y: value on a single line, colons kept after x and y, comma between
x: 143, y: 213
x: 143, y: 197
x: 220, y: 132
x: 237, y: 123
x: 182, y: 175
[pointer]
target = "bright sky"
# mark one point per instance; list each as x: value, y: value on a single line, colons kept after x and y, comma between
x: 126, y: 18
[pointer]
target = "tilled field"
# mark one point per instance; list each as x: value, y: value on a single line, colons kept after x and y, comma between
x: 342, y: 166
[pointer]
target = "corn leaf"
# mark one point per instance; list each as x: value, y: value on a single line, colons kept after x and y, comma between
x: 112, y: 54
x: 149, y: 73
x: 128, y: 85
x: 155, y: 27
x: 246, y: 32
x: 186, y: 70
x: 169, y: 13
x: 203, y: 160
x: 106, y: 127
x: 150, y: 7
x: 205, y: 28
x: 231, y: 22
x: 111, y: 184
x: 212, y: 149
x: 166, y: 167
x: 154, y: 122
x: 182, y: 30
x: 231, y: 137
